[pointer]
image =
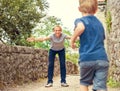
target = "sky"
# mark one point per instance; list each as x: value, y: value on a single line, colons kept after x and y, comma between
x: 66, y: 10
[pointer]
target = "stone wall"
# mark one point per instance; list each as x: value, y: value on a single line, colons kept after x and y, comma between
x: 20, y: 65
x: 113, y: 39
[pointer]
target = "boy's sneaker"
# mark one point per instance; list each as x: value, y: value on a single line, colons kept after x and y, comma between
x: 49, y: 85
x: 64, y: 84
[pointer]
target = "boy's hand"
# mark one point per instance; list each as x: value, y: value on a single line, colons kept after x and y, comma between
x: 31, y: 39
x: 73, y: 45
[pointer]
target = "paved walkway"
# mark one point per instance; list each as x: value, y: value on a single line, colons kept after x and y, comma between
x: 72, y: 80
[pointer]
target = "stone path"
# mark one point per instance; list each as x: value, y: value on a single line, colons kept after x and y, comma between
x: 72, y: 80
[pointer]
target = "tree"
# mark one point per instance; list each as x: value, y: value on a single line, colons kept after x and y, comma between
x: 18, y: 18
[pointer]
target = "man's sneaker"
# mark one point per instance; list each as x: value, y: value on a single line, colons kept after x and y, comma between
x: 64, y: 85
x: 49, y: 85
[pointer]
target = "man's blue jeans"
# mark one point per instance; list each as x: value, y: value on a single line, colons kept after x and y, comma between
x: 52, y: 54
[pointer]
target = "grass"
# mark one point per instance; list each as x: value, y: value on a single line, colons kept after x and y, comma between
x: 112, y: 83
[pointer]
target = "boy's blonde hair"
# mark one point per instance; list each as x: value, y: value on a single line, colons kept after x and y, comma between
x: 88, y: 6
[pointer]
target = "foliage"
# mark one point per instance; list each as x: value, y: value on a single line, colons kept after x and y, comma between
x: 18, y: 18
x: 73, y: 57
x: 113, y: 83
x: 67, y: 41
x: 108, y: 21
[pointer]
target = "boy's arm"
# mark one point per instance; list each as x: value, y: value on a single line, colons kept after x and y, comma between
x: 77, y: 32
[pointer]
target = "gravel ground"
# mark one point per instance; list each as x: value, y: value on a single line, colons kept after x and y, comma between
x: 72, y: 80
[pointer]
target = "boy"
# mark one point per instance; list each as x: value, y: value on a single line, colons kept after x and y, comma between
x: 57, y: 47
x: 93, y: 59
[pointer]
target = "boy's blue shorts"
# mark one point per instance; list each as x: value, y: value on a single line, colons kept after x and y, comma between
x: 94, y: 73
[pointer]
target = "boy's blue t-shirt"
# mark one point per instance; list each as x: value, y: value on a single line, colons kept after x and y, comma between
x: 92, y: 39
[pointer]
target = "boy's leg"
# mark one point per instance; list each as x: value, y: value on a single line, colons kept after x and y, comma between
x: 62, y: 65
x: 100, y: 79
x: 87, y: 70
x: 83, y: 88
x: 51, y: 59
